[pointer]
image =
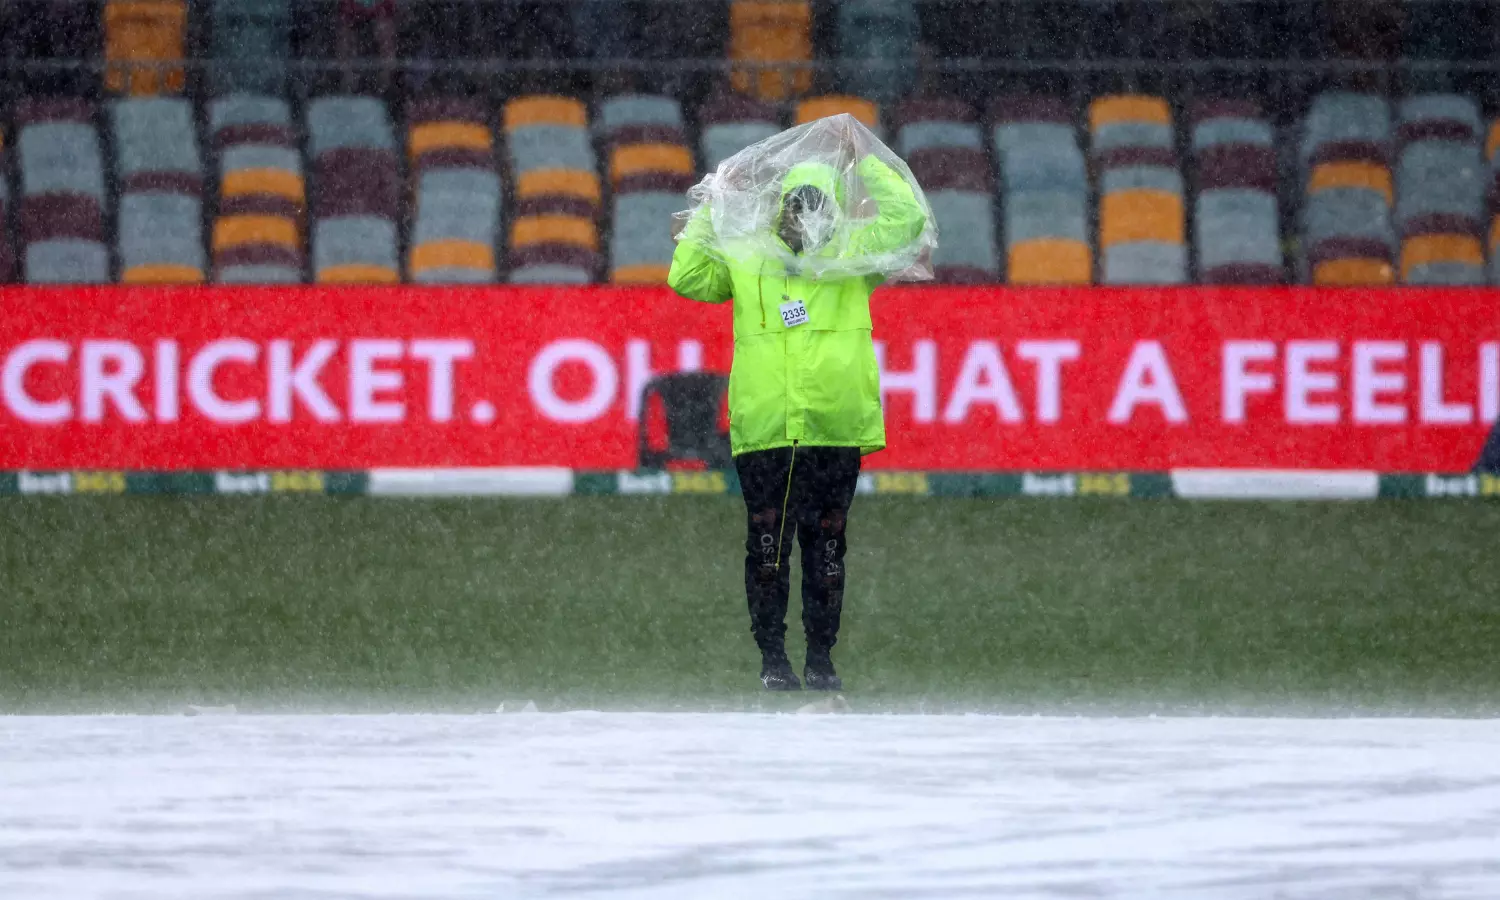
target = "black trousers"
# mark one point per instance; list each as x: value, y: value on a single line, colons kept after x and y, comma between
x: 803, y: 492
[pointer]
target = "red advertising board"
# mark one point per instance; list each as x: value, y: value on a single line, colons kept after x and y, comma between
x: 973, y: 378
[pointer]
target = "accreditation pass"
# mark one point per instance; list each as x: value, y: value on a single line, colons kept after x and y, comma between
x: 793, y: 313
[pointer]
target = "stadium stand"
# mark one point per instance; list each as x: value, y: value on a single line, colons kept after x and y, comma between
x: 650, y: 169
x: 258, y: 234
x: 728, y: 123
x: 356, y: 190
x: 62, y: 202
x: 554, y: 236
x: 1237, y: 223
x: 456, y: 189
x: 142, y: 41
x: 766, y: 32
x: 250, y: 42
x: 159, y: 175
x: 1347, y: 235
x: 1044, y: 192
x: 1385, y: 181
x: 880, y: 36
x: 1141, y: 192
x: 940, y: 139
x: 1440, y: 190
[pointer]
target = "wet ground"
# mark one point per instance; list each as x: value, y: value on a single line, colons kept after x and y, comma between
x: 740, y: 805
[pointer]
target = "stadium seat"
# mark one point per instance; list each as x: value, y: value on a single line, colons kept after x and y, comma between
x: 258, y: 233
x: 142, y: 38
x: 456, y: 191
x: 1347, y: 232
x: 1044, y: 192
x: 356, y: 190
x: 1141, y: 205
x: 641, y: 241
x: 160, y: 177
x: 61, y: 209
x: 815, y: 108
x: 773, y: 41
x: 250, y: 44
x: 728, y: 123
x: 877, y: 39
x: 553, y: 235
x: 1236, y: 219
x: 1440, y: 187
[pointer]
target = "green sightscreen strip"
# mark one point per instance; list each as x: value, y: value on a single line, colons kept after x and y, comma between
x: 1151, y: 485
x: 8, y: 484
x: 1403, y: 487
x: 595, y: 484
x: 169, y: 483
x: 346, y: 483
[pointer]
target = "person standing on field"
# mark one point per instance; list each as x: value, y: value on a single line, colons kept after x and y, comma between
x: 804, y: 388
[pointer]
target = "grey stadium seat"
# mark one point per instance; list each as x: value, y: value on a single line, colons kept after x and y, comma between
x: 346, y: 240
x: 67, y: 261
x: 248, y: 109
x: 61, y: 157
x: 1145, y: 262
x: 931, y: 135
x: 1156, y: 178
x: 551, y: 147
x: 642, y: 233
x: 966, y: 223
x: 1038, y: 214
x: 353, y: 122
x: 1237, y: 226
x: 158, y: 228
x: 1343, y: 117
x: 1446, y: 274
x: 1440, y: 178
x: 549, y: 274
x: 1347, y: 213
x: 258, y: 274
x: 719, y: 142
x: 638, y: 109
x: 155, y: 135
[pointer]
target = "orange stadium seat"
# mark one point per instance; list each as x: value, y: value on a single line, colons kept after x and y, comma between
x: 140, y: 36
x: 1424, y: 249
x: 1140, y: 215
x: 575, y: 230
x: 1123, y: 108
x: 814, y: 108
x: 1352, y: 174
x: 769, y: 32
x: 1353, y: 272
x: 1050, y: 261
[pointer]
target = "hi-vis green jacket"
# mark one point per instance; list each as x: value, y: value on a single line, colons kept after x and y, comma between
x: 816, y: 384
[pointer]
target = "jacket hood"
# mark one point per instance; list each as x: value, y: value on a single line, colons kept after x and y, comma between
x: 825, y: 178
x: 814, y: 174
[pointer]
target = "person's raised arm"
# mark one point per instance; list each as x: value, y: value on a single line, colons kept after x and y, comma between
x: 695, y: 273
x: 900, y: 218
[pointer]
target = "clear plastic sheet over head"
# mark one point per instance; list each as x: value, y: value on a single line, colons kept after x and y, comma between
x: 806, y: 199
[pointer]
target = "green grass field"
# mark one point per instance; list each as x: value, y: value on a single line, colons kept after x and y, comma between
x: 145, y: 603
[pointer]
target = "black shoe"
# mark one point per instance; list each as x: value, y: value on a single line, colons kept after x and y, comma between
x: 819, y: 673
x: 776, y: 672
